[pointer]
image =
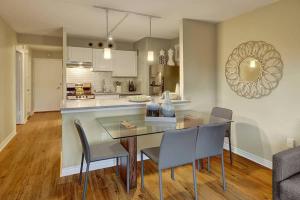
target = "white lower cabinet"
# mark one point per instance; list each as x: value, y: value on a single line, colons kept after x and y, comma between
x: 124, y: 63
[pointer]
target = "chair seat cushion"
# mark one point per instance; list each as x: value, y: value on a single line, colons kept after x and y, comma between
x: 290, y: 188
x: 106, y: 151
x: 152, y: 153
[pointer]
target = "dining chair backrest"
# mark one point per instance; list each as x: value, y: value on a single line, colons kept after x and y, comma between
x: 223, y: 113
x: 177, y: 148
x: 210, y: 140
x: 83, y: 140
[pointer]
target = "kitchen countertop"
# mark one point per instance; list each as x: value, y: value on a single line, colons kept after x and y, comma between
x: 69, y: 106
x: 115, y: 93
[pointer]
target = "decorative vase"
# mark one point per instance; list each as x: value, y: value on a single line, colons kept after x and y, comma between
x: 167, y: 108
x: 152, y: 109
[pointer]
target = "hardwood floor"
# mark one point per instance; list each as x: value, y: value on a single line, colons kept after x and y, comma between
x: 30, y: 163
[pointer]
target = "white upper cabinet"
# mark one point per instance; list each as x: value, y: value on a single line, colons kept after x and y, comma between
x: 80, y: 54
x: 124, y: 63
x: 99, y: 63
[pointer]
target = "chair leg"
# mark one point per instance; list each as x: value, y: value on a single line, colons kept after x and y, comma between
x: 142, y: 171
x: 199, y: 165
x: 86, y: 179
x: 208, y: 164
x: 172, y: 174
x: 230, y: 151
x: 117, y: 166
x: 195, y: 181
x: 128, y: 174
x: 161, y: 196
x: 80, y: 175
x: 223, y: 172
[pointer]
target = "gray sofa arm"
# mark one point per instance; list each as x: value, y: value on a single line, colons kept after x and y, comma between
x: 285, y: 165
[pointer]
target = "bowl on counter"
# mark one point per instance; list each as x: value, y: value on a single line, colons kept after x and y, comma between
x: 139, y: 98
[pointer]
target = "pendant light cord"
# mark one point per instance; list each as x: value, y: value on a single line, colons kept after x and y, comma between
x: 150, y: 33
x: 150, y: 21
x: 106, y: 24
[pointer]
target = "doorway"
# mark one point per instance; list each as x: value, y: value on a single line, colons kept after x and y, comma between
x: 47, y: 84
x: 19, y: 85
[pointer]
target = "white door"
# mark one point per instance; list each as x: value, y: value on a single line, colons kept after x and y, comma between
x: 28, y: 90
x: 47, y: 84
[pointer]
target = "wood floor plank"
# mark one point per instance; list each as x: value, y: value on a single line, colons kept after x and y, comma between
x: 30, y: 166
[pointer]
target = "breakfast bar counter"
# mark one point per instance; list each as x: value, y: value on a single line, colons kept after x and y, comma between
x: 68, y: 106
x: 88, y: 111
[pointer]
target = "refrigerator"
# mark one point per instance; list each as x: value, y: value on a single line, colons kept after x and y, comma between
x: 163, y: 78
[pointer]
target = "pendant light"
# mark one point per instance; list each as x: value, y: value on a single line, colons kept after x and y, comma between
x: 107, y: 50
x: 150, y: 56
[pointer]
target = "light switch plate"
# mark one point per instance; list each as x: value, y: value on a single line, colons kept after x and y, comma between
x: 290, y: 142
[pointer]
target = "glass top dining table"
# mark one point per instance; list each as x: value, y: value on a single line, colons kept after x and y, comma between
x: 126, y: 126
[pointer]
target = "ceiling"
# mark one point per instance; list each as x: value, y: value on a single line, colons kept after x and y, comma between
x: 79, y: 17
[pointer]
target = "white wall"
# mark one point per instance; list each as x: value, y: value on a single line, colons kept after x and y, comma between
x: 198, y: 44
x: 262, y: 125
x: 7, y: 83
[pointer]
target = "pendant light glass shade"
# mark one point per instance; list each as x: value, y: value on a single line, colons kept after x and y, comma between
x: 107, y: 50
x: 107, y: 53
x: 150, y: 56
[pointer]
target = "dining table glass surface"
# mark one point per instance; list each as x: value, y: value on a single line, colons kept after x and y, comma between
x: 135, y: 125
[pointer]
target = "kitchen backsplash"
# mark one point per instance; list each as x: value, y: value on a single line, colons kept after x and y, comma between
x: 85, y: 75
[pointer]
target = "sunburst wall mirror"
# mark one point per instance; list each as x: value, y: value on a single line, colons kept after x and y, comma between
x: 254, y: 69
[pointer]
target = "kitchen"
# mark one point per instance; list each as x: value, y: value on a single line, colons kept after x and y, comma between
x: 125, y: 74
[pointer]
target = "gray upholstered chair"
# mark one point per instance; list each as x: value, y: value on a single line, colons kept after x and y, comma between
x: 92, y: 153
x: 177, y: 148
x: 286, y: 175
x: 226, y: 114
x: 210, y: 142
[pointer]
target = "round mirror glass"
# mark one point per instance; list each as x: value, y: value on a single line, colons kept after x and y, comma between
x: 250, y: 69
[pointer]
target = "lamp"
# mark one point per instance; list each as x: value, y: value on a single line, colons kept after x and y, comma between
x: 150, y: 56
x: 107, y: 53
x: 110, y: 37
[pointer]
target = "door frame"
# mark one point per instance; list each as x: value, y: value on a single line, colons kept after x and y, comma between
x: 33, y: 79
x: 20, y: 87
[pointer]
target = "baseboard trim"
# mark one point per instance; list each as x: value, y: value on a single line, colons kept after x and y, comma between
x: 250, y: 156
x: 67, y: 171
x: 7, y: 139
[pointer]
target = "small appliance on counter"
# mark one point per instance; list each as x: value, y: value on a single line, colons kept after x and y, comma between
x: 79, y: 91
